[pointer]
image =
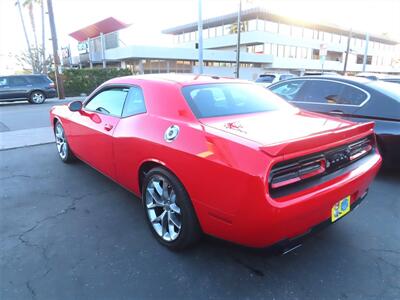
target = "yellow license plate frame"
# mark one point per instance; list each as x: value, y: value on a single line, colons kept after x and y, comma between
x: 340, y: 209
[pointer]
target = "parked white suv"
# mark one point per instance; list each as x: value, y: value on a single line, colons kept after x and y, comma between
x: 268, y: 79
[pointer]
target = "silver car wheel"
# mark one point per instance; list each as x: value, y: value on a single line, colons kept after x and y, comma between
x: 61, y: 143
x: 37, y: 97
x: 162, y: 210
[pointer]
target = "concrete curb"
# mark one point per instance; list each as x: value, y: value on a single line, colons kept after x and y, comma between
x: 26, y: 137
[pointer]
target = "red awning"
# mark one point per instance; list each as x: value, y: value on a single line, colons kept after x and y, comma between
x: 104, y: 26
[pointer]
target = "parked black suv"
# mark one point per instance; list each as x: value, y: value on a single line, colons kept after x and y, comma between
x: 34, y: 88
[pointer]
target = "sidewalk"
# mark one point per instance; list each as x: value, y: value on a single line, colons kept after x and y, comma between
x: 26, y: 137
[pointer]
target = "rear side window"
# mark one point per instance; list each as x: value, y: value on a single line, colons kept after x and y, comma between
x: 109, y: 102
x: 15, y: 81
x: 134, y: 103
x: 38, y: 79
x: 288, y: 90
x: 320, y: 91
x: 351, y: 95
x: 223, y: 99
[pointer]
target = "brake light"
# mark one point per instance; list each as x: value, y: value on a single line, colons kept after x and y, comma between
x: 360, y: 148
x: 298, y: 171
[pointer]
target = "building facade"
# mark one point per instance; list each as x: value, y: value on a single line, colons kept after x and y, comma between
x: 269, y: 43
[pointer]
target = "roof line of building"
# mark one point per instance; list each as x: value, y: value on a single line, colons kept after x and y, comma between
x: 264, y: 14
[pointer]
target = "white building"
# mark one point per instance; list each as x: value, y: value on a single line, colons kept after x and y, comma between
x: 269, y: 43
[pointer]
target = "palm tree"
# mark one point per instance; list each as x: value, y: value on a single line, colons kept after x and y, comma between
x: 29, y: 4
x: 18, y: 4
x: 43, y: 37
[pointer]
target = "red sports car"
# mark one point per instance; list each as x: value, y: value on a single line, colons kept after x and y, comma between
x: 219, y: 156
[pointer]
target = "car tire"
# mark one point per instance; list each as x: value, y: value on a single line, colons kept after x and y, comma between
x: 169, y: 210
x: 63, y: 148
x: 37, y: 97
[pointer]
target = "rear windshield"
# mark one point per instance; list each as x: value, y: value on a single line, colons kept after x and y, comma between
x: 224, y: 99
x: 266, y: 78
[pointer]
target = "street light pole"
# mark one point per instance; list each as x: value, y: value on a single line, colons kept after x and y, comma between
x: 59, y: 80
x: 238, y: 39
x: 200, y: 33
x: 347, y: 52
x: 365, y: 51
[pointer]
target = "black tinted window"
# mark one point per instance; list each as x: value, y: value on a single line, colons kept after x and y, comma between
x: 352, y: 96
x: 109, y: 101
x: 38, y: 79
x: 213, y: 100
x: 17, y: 81
x: 320, y: 91
x: 288, y: 90
x: 134, y: 103
x: 266, y: 78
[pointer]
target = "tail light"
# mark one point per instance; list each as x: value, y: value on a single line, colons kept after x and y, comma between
x: 360, y: 148
x: 298, y: 171
x: 290, y: 172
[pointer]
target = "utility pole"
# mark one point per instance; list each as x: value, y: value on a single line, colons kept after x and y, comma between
x: 365, y: 51
x: 238, y: 39
x: 200, y: 33
x: 347, y: 52
x: 59, y: 80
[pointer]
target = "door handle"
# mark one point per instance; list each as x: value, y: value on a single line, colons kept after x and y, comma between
x: 336, y: 112
x: 108, y: 127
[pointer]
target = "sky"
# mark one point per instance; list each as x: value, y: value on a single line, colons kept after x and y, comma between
x: 149, y: 17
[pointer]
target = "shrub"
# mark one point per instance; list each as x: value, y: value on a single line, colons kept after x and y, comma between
x: 78, y: 81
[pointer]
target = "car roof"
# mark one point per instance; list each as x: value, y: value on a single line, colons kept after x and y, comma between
x: 348, y: 79
x: 181, y: 79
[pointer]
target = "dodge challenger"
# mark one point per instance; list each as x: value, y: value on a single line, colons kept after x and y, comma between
x: 219, y: 156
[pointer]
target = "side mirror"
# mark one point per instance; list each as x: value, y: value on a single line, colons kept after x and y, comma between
x: 75, y: 106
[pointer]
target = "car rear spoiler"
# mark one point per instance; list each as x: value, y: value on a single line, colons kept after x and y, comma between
x: 331, y: 137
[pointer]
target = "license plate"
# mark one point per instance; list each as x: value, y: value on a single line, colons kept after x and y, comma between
x: 340, y: 209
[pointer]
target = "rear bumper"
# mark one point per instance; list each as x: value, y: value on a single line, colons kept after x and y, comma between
x: 262, y: 221
x: 51, y: 93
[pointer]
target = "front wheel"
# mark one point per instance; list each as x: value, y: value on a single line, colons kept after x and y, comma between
x: 169, y: 210
x: 62, y: 144
x: 37, y: 97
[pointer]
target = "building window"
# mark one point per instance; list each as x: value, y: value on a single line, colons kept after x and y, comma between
x: 219, y: 31
x: 267, y: 49
x: 281, y: 51
x: 327, y: 37
x: 315, y: 54
x: 297, y: 32
x: 227, y: 29
x: 259, y: 49
x: 211, y: 32
x: 271, y: 26
x: 284, y: 29
x: 252, y: 25
x: 260, y: 25
x: 308, y: 33
x: 274, y: 49
x: 205, y: 33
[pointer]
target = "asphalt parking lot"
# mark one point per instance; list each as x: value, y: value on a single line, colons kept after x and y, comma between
x: 68, y: 232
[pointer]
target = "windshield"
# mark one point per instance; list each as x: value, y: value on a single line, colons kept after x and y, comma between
x: 266, y: 78
x: 224, y: 99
